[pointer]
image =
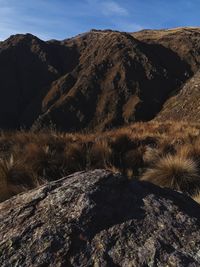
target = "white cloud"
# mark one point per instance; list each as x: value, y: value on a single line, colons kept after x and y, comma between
x: 47, y: 20
x: 113, y: 8
x: 108, y: 8
x: 128, y: 26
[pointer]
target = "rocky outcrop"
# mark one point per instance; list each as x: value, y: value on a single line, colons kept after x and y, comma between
x: 98, y: 218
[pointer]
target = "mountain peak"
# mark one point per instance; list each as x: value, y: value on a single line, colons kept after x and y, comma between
x: 95, y: 80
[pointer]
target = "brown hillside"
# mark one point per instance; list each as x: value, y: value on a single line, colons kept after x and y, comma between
x: 95, y: 80
x: 118, y: 80
x: 27, y: 66
x: 183, y: 41
x: 185, y: 104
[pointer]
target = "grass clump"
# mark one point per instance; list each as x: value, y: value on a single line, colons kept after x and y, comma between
x: 15, y: 178
x: 100, y: 155
x: 175, y: 172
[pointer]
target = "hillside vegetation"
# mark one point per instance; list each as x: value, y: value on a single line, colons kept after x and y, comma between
x: 167, y: 154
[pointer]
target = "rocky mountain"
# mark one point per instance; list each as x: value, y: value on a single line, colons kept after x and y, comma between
x: 98, y: 218
x: 94, y: 81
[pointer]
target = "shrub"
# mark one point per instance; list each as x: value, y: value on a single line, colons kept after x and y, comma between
x: 43, y: 161
x: 190, y: 151
x: 150, y: 155
x: 132, y: 161
x: 100, y: 155
x: 75, y: 157
x: 120, y: 143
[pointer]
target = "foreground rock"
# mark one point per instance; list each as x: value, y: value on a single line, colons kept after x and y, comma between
x: 99, y: 219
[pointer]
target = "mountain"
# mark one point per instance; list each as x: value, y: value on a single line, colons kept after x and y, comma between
x: 183, y: 41
x: 185, y: 104
x: 94, y: 81
x: 28, y: 66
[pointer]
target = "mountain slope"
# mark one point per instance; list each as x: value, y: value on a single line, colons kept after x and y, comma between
x: 183, y: 41
x: 27, y: 66
x: 185, y: 104
x: 94, y: 81
x: 118, y: 80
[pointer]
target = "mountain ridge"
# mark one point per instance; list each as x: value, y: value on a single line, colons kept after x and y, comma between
x: 96, y: 80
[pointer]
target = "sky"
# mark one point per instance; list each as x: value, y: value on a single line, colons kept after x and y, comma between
x: 60, y: 19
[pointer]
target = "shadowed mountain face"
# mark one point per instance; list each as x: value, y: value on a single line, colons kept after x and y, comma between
x: 95, y: 80
x: 185, y: 104
x: 28, y: 66
x: 182, y: 41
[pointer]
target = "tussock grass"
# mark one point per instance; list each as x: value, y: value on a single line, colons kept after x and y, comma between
x: 196, y: 198
x: 75, y: 157
x: 100, y: 155
x: 174, y: 172
x: 15, y: 178
x: 167, y: 154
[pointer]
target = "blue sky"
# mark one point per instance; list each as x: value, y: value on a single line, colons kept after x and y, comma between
x: 59, y: 19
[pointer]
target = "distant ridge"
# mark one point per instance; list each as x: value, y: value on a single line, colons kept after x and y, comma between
x: 96, y: 80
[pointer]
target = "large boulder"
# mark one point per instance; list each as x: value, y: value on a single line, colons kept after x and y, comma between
x: 98, y: 218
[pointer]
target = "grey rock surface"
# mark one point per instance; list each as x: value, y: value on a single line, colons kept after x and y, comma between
x: 96, y: 219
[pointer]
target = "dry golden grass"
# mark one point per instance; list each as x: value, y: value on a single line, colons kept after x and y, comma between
x: 197, y: 198
x: 136, y: 150
x: 74, y: 157
x: 100, y: 154
x: 15, y: 178
x: 174, y: 172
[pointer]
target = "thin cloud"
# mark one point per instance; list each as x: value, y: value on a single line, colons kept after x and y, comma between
x: 48, y: 20
x: 108, y: 8
x: 113, y: 8
x: 128, y: 26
